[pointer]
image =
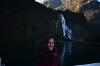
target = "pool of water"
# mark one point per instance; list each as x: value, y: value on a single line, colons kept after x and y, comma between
x: 76, y: 52
x: 21, y: 53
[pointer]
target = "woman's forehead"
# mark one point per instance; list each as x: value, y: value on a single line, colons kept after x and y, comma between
x: 51, y: 39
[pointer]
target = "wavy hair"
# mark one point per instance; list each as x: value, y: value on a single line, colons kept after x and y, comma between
x: 42, y: 46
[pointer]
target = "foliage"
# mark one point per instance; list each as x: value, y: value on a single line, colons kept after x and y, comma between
x: 72, y: 5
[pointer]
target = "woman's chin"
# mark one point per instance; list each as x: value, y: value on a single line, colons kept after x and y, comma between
x: 51, y: 49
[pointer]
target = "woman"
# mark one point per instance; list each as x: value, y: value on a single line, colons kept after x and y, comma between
x: 46, y: 53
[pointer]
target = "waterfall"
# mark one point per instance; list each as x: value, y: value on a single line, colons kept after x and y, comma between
x: 67, y: 33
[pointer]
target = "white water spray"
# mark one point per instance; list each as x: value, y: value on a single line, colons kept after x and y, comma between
x: 66, y: 31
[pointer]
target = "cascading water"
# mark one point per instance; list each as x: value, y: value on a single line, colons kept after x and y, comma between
x: 67, y: 33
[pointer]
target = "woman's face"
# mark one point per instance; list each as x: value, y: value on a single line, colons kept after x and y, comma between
x: 51, y: 44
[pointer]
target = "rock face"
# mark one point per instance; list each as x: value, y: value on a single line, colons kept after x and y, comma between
x: 50, y: 3
x: 72, y: 5
x: 62, y: 4
x: 91, y: 11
